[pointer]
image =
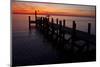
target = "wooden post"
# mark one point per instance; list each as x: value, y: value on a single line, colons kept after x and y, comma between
x: 60, y: 23
x: 36, y: 18
x: 89, y: 32
x: 60, y: 26
x: 64, y: 23
x: 39, y: 22
x: 89, y: 28
x: 74, y: 31
x: 74, y: 28
x: 52, y: 29
x: 63, y: 35
x: 29, y: 22
x: 42, y: 24
x: 35, y: 15
x: 57, y: 29
x: 57, y: 21
x: 52, y: 20
x: 47, y: 26
x: 74, y: 25
x: 47, y: 19
x: 57, y: 25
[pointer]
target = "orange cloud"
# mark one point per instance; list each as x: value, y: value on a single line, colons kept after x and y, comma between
x: 29, y: 8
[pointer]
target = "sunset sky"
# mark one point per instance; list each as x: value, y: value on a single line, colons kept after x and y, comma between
x: 52, y: 9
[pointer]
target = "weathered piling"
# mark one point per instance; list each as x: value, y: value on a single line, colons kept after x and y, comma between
x: 60, y: 30
x: 89, y: 33
x: 47, y: 26
x: 37, y: 23
x: 89, y: 28
x: 43, y: 24
x: 52, y: 21
x: 57, y: 30
x: 74, y: 26
x: 57, y: 26
x: 57, y: 21
x: 36, y: 17
x: 29, y: 22
x: 63, y: 35
x: 74, y: 32
x: 52, y: 27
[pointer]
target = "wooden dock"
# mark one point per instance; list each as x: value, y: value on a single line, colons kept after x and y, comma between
x: 58, y: 33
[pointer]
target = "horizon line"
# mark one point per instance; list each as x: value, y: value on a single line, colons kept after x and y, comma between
x: 55, y: 14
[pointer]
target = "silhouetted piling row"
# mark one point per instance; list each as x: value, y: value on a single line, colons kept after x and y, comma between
x: 54, y: 30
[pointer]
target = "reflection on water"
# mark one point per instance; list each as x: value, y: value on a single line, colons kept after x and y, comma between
x: 32, y: 49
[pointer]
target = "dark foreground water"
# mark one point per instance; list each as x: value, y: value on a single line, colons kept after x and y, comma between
x: 33, y: 49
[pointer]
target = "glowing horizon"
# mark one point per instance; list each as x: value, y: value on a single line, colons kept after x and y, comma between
x: 52, y: 9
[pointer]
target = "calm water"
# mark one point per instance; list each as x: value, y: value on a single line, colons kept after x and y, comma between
x: 20, y: 22
x: 34, y: 49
